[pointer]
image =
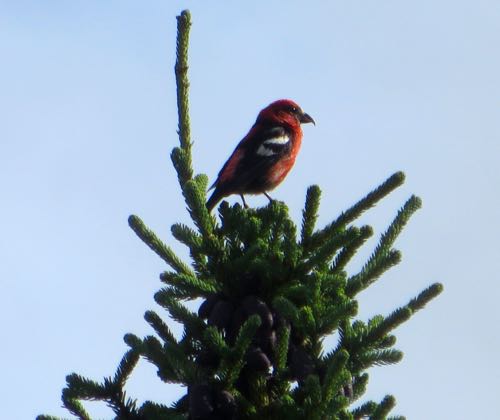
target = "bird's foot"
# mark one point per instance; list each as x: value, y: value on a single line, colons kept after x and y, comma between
x: 244, y: 202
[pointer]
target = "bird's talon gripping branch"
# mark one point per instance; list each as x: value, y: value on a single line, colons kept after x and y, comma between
x: 244, y: 202
x: 268, y: 197
x: 265, y: 155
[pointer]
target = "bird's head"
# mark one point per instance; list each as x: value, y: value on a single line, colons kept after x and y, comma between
x: 284, y: 112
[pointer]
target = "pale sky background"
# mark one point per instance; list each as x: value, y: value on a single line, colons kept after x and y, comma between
x: 88, y: 120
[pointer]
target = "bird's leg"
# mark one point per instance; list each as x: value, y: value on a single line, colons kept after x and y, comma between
x: 269, y: 197
x: 244, y: 202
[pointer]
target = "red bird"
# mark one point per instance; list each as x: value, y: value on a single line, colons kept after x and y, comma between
x: 265, y: 155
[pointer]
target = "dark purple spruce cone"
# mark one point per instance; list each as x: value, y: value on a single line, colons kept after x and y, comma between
x: 267, y: 341
x: 237, y: 321
x: 201, y: 406
x: 300, y: 362
x: 249, y: 306
x: 280, y: 321
x: 253, y: 305
x: 221, y: 314
x: 257, y: 360
x: 207, y: 404
x: 225, y: 405
x: 208, y: 304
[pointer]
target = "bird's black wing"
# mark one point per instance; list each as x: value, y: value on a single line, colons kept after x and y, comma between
x: 258, y: 158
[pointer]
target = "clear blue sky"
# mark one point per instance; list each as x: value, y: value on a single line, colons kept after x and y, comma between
x: 88, y: 119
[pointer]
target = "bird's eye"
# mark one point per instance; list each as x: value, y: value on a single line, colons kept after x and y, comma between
x: 293, y: 109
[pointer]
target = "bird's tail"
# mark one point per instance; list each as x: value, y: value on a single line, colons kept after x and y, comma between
x: 214, y: 199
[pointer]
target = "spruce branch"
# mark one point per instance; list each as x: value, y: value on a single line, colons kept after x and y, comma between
x: 162, y: 250
x: 387, y: 240
x: 175, y: 293
x: 312, y: 388
x: 383, y: 257
x: 310, y: 214
x: 190, y: 238
x: 339, y: 404
x: 291, y: 249
x: 233, y: 364
x: 132, y: 341
x: 371, y: 272
x: 127, y: 364
x: 181, y: 69
x: 296, y: 292
x: 325, y: 252
x: 425, y: 297
x: 215, y: 341
x: 377, y: 358
x: 193, y: 325
x: 391, y: 322
x: 282, y: 348
x: 194, y: 193
x: 365, y: 410
x: 191, y: 285
x: 192, y: 189
x: 74, y: 406
x: 332, y: 284
x: 184, y: 368
x: 401, y: 315
x: 387, y: 341
x: 331, y: 320
x: 83, y: 388
x: 350, y: 249
x: 360, y: 207
x: 245, y: 335
x: 382, y: 410
x: 336, y: 376
x: 162, y: 329
x: 181, y: 405
x: 122, y: 405
x: 306, y: 321
x: 359, y: 386
x: 286, y: 309
x: 111, y: 391
x: 161, y: 357
x: 181, y: 159
x: 151, y: 410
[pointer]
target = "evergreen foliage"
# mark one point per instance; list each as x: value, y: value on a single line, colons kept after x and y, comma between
x: 270, y: 296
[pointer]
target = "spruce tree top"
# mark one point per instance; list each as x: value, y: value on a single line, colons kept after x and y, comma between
x: 271, y: 293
